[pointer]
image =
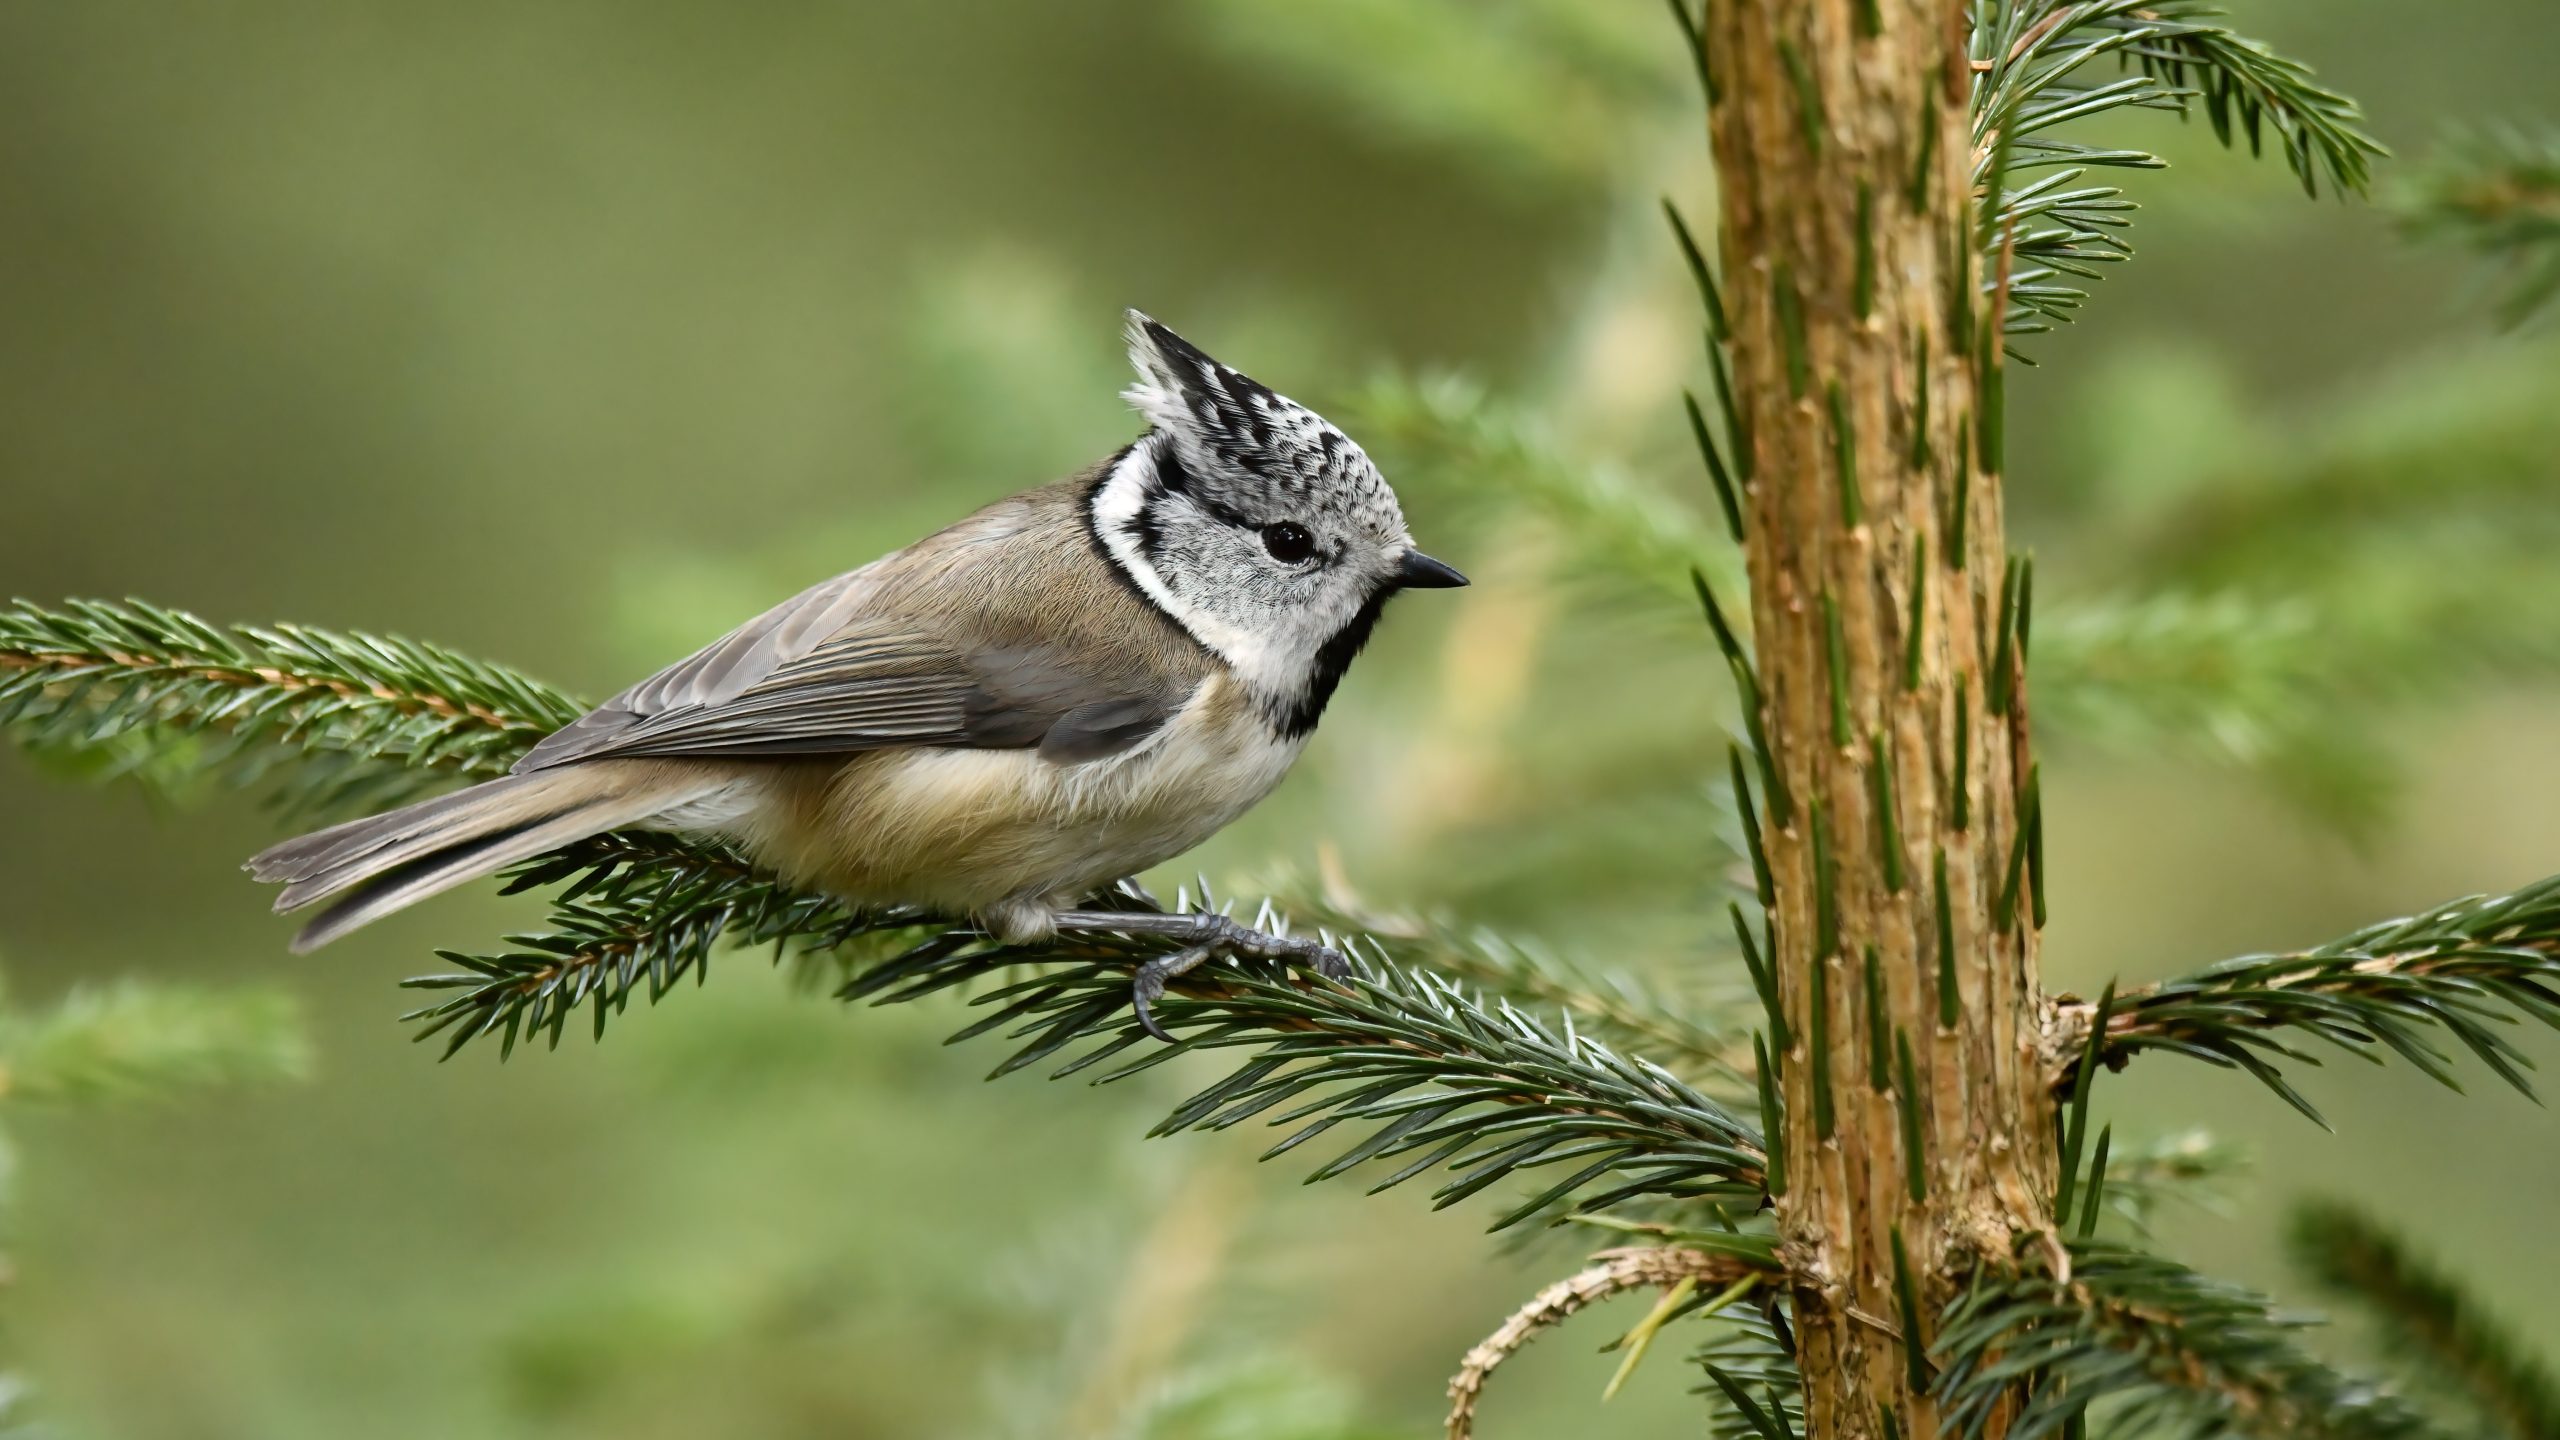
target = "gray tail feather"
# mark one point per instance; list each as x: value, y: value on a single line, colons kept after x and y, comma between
x: 388, y: 862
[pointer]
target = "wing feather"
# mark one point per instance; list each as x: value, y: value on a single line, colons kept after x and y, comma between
x: 855, y: 664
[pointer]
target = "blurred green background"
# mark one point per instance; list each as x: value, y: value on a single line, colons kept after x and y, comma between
x: 571, y: 334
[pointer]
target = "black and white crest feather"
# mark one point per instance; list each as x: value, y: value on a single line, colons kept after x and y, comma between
x: 1222, y: 420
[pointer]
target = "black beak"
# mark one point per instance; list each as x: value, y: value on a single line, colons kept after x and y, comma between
x: 1418, y: 571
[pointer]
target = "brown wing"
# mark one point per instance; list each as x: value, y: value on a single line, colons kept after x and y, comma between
x: 956, y: 642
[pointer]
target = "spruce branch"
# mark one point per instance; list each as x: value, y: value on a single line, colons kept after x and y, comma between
x: 2027, y: 54
x: 2192, y: 1167
x: 2248, y: 90
x: 1706, y: 1034
x: 2496, y: 192
x: 1613, y: 1272
x: 640, y: 912
x: 2031, y: 60
x: 131, y: 1040
x: 1753, y: 1350
x: 2466, y: 968
x: 335, y: 719
x: 2432, y: 1324
x: 2295, y: 597
x: 1483, y: 1090
x: 2157, y: 1343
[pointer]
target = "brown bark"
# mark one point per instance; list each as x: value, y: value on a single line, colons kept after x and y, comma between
x: 1843, y: 153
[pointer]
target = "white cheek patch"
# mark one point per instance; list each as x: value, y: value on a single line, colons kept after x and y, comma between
x: 1117, y: 504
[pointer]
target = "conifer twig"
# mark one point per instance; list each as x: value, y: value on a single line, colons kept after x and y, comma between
x: 2432, y: 1323
x: 133, y: 1040
x: 1669, y: 1026
x: 2030, y: 65
x: 2160, y: 1343
x: 2464, y: 967
x: 336, y: 718
x: 2247, y: 90
x: 639, y: 910
x: 2497, y: 192
x: 1613, y: 1272
x: 1482, y: 1090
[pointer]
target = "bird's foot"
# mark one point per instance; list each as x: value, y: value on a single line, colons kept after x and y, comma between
x: 1220, y: 936
x: 1203, y: 935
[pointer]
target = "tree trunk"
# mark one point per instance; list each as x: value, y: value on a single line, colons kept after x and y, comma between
x: 1866, y: 386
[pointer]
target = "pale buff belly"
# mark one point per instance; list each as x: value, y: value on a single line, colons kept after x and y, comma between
x: 967, y: 831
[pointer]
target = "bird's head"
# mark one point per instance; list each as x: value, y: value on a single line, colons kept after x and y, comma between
x: 1253, y: 522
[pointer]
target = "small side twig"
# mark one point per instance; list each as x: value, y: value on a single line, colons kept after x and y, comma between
x: 1616, y: 1272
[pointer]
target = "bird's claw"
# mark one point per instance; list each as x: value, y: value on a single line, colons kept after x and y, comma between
x: 1147, y: 986
x: 1217, y: 935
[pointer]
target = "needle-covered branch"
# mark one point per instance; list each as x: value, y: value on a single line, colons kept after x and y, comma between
x: 2466, y: 968
x: 2032, y: 64
x: 2434, y: 1328
x: 1431, y: 1073
x: 1438, y: 1079
x: 131, y: 1040
x: 1429, y: 1070
x: 2497, y: 193
x: 332, y: 720
x: 2156, y: 1344
x: 638, y: 912
x: 2247, y: 90
x: 1696, y: 1034
x: 2193, y: 1168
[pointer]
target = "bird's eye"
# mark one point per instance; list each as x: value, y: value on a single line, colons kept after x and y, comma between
x: 1288, y: 542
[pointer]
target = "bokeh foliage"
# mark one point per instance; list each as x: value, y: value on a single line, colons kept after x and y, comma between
x: 749, y: 1213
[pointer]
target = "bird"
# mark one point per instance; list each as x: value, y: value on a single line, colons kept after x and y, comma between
x: 1068, y: 687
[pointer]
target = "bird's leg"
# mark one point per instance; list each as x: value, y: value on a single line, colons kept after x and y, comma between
x: 1206, y: 935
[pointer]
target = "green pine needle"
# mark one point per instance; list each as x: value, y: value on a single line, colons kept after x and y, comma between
x: 130, y: 1040
x: 1448, y: 1081
x: 327, y: 722
x: 2467, y: 969
x: 2036, y: 59
x: 2161, y: 1345
x: 2433, y: 1326
x: 2497, y: 193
